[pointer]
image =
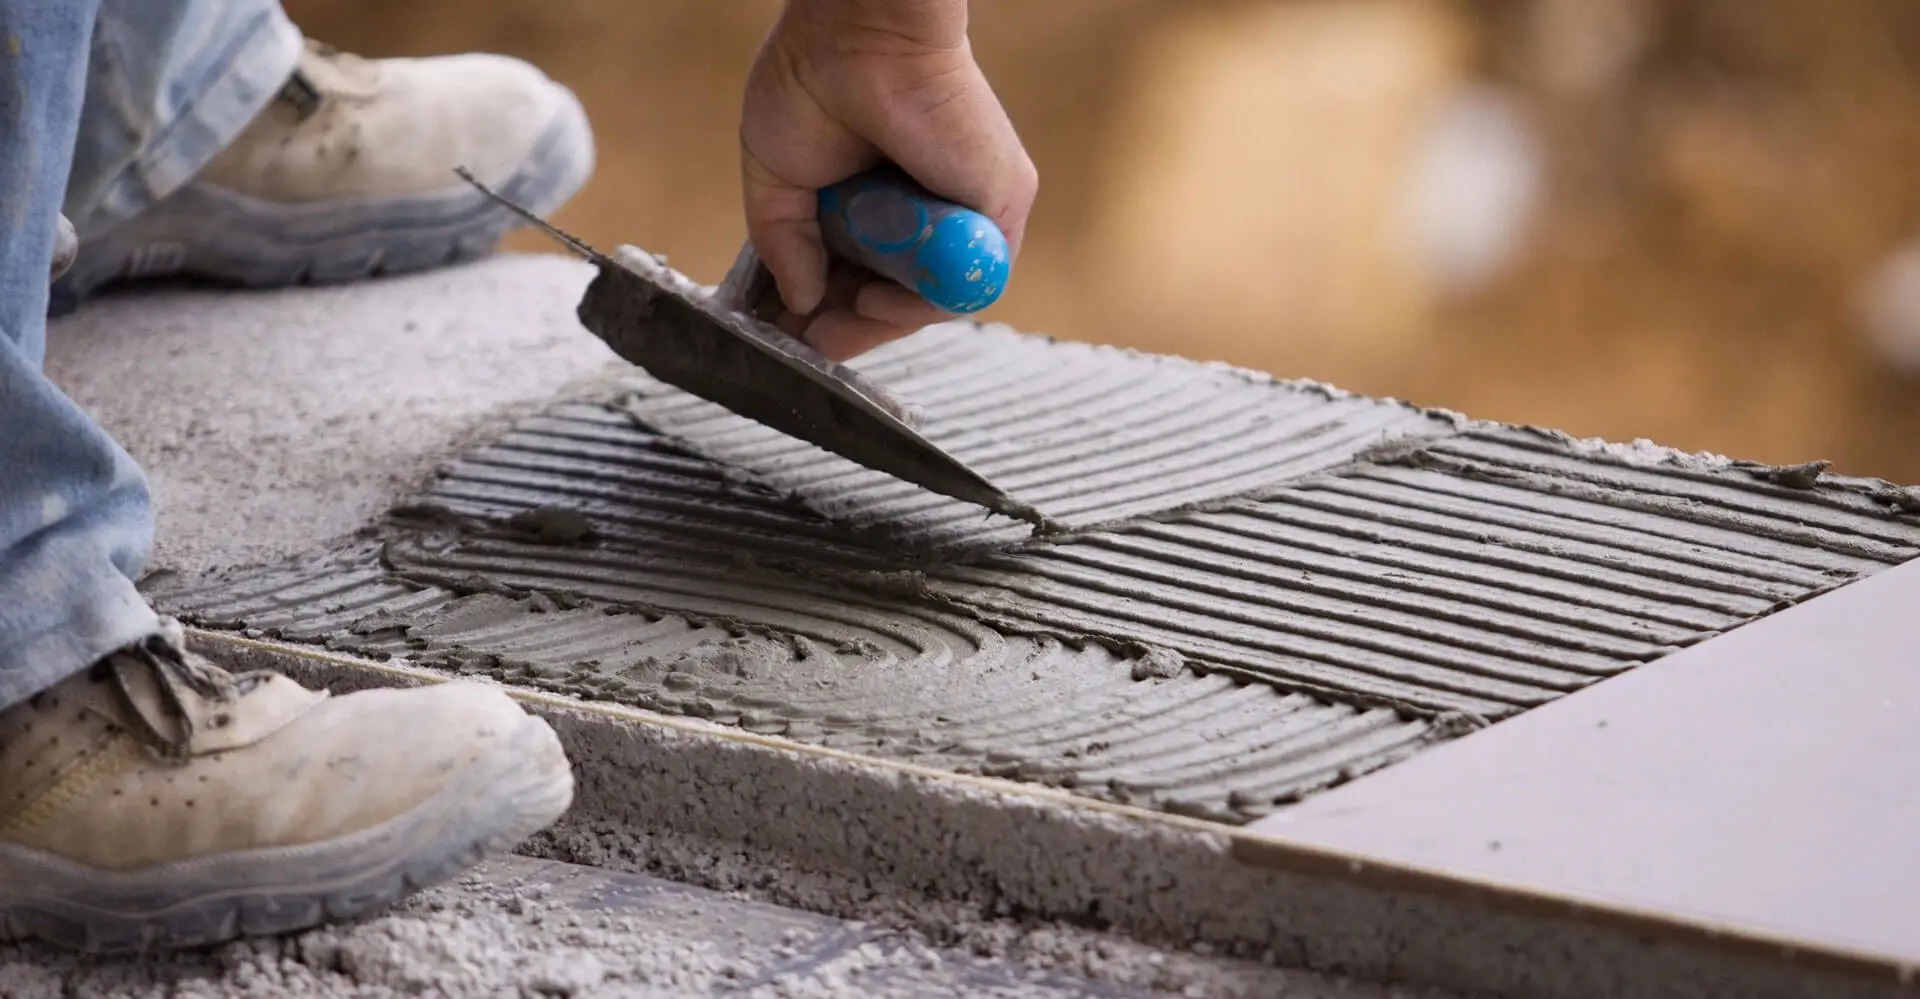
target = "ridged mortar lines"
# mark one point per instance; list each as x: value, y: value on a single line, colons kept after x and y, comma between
x: 1840, y: 517
x: 1089, y: 434
x: 1485, y: 572
x: 804, y: 659
x: 631, y: 483
x: 1284, y: 587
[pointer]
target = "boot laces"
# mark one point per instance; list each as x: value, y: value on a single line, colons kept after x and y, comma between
x: 185, y: 682
x: 305, y: 91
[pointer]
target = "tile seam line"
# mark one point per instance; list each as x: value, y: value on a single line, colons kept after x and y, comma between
x: 1253, y: 849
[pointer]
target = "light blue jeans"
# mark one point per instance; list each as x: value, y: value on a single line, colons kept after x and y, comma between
x: 106, y: 106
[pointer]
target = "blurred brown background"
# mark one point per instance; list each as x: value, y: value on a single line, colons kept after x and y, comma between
x: 1675, y: 219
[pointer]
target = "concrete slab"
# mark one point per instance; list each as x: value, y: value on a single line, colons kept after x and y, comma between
x: 1059, y: 881
x: 524, y: 927
x: 1758, y: 785
x: 1370, y: 581
x: 269, y: 423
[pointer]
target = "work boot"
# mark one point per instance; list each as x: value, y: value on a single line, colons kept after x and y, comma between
x: 349, y: 173
x: 157, y: 800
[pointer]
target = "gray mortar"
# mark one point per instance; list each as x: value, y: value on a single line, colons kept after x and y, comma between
x: 684, y: 335
x: 1045, y: 882
x: 1484, y: 572
x: 841, y: 668
x: 1087, y: 434
x: 1222, y: 658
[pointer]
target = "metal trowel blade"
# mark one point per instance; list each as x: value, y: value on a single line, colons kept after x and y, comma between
x: 706, y: 342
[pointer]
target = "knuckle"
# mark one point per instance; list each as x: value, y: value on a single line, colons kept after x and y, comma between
x: 1026, y: 177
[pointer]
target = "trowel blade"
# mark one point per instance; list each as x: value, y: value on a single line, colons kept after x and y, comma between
x: 703, y: 341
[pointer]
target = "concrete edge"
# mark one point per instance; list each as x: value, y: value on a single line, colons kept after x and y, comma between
x: 878, y: 839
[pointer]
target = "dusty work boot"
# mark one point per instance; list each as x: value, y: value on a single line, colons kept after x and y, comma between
x: 349, y: 173
x: 157, y: 800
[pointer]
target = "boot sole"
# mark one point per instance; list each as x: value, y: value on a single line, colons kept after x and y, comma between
x: 275, y: 245
x: 521, y: 787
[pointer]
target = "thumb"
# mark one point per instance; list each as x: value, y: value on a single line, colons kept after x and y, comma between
x: 783, y: 223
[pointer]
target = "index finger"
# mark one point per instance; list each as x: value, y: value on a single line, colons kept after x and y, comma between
x: 950, y: 132
x: 783, y: 223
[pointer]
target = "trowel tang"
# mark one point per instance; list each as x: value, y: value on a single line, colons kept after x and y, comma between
x: 954, y: 257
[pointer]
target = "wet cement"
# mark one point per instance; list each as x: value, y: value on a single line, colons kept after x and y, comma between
x: 710, y: 343
x: 1269, y: 588
x: 1087, y: 434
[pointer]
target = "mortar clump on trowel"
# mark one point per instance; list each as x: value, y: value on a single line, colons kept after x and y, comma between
x: 719, y: 344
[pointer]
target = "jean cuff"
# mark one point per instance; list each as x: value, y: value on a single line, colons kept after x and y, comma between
x: 105, y: 612
x: 257, y: 64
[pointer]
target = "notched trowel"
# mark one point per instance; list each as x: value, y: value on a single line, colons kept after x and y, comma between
x: 718, y: 344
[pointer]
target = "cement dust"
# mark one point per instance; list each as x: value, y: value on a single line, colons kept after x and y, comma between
x: 452, y: 942
x: 954, y: 927
x: 477, y: 939
x: 492, y: 936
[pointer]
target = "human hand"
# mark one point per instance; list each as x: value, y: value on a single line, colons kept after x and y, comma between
x: 839, y: 86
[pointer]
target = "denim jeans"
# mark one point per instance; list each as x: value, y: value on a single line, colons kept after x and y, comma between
x: 106, y: 106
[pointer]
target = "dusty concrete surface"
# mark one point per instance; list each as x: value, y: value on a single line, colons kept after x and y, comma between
x: 269, y: 423
x: 521, y: 927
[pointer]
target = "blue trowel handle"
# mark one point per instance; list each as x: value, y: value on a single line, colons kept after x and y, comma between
x: 954, y: 257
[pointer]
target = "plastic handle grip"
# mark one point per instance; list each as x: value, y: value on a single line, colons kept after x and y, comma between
x: 952, y: 256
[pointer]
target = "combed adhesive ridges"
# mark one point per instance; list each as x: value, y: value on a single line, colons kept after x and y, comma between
x: 811, y: 660
x: 1485, y: 572
x: 1273, y: 587
x: 1089, y: 434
